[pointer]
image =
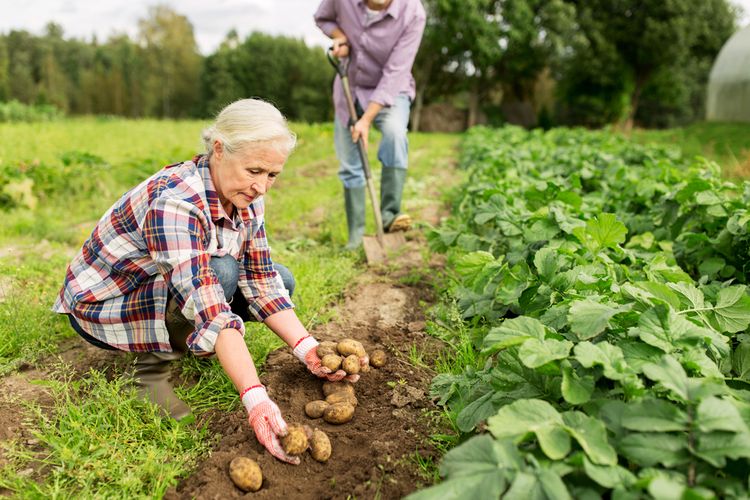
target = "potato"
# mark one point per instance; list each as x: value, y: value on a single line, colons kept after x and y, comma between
x: 325, y: 348
x: 320, y: 446
x: 349, y: 346
x: 331, y: 387
x: 245, y: 473
x: 295, y: 443
x: 340, y: 413
x: 331, y: 361
x: 378, y: 358
x: 315, y: 409
x: 341, y: 397
x: 351, y: 364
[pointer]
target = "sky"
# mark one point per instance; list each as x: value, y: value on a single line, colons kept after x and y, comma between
x: 211, y: 20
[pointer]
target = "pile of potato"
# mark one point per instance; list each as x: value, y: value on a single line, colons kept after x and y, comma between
x: 340, y: 400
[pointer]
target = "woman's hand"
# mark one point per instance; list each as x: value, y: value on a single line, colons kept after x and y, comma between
x: 306, y: 351
x: 266, y: 420
x: 340, y: 46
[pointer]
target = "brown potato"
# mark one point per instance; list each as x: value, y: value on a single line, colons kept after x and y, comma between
x: 331, y: 387
x: 320, y: 446
x: 295, y: 443
x: 315, y: 409
x: 325, y: 348
x: 378, y: 358
x: 349, y: 346
x: 351, y: 364
x: 341, y: 397
x: 331, y: 361
x: 245, y: 473
x: 364, y: 368
x: 340, y: 413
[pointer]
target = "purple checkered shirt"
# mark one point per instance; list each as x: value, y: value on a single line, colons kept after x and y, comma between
x: 382, y: 50
x: 157, y: 240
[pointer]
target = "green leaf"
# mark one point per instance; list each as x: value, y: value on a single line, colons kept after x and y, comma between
x: 690, y: 294
x: 535, y: 353
x: 576, y: 390
x: 547, y: 263
x: 553, y: 485
x: 651, y: 293
x: 655, y: 415
x: 525, y: 416
x: 605, y: 354
x: 732, y: 310
x: 716, y: 414
x: 670, y: 374
x: 513, y: 332
x: 591, y: 434
x: 480, y: 468
x: 741, y: 361
x: 696, y: 359
x: 525, y: 487
x: 638, y: 353
x: 477, y: 411
x: 589, y: 318
x: 666, y: 488
x: 716, y: 447
x: 609, y: 476
x: 601, y: 232
x: 649, y: 449
x: 472, y: 264
x: 662, y: 327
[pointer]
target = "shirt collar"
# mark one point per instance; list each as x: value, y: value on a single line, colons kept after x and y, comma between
x: 390, y: 11
x: 214, y: 203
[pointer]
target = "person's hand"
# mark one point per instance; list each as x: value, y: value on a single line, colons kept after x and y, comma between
x: 340, y: 47
x: 266, y: 420
x: 361, y: 129
x: 306, y: 351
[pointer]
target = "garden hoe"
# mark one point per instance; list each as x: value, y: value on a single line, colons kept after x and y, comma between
x: 377, y: 247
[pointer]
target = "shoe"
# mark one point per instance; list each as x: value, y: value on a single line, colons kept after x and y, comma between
x: 354, y: 203
x: 392, y: 182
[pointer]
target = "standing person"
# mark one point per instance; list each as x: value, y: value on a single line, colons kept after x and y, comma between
x: 181, y: 261
x: 381, y: 37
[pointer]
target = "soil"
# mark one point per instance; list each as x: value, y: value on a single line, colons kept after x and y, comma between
x: 373, y: 454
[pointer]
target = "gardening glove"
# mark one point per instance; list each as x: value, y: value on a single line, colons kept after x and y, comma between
x: 266, y: 420
x: 306, y: 351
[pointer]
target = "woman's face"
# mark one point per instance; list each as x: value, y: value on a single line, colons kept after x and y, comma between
x: 245, y: 175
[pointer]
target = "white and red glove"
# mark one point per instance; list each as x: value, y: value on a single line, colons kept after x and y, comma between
x: 266, y: 420
x: 306, y: 351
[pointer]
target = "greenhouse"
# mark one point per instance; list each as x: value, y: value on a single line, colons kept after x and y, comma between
x: 729, y: 82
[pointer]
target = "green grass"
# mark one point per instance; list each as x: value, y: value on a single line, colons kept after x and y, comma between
x: 726, y: 143
x: 98, y: 441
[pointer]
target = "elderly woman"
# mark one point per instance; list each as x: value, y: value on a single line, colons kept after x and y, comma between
x: 181, y: 261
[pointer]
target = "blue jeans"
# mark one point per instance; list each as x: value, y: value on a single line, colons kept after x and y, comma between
x: 394, y: 146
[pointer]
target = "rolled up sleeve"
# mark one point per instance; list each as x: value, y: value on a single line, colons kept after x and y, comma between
x: 175, y: 232
x: 260, y: 284
x: 325, y: 17
x: 397, y: 70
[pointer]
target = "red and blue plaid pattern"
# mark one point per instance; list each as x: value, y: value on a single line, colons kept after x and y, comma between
x: 157, y: 240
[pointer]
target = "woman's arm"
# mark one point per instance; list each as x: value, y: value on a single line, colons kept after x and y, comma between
x: 235, y: 359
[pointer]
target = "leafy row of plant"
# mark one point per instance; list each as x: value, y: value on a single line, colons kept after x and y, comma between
x: 604, y: 281
x: 15, y: 111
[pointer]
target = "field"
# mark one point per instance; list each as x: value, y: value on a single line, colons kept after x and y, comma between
x: 452, y: 308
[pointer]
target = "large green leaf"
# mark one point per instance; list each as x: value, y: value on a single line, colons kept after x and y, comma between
x: 731, y: 313
x: 669, y: 373
x: 649, y: 449
x: 525, y: 487
x: 609, y: 476
x: 479, y: 468
x: 589, y: 318
x: 525, y: 416
x: 715, y: 414
x: 654, y: 415
x: 716, y: 447
x: 662, y: 327
x: 575, y: 389
x: 741, y: 361
x: 605, y: 354
x: 601, y: 232
x: 535, y: 353
x: 513, y: 332
x: 591, y: 434
x: 638, y: 353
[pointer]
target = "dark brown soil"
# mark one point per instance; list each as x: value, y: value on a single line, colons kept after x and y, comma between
x: 373, y: 454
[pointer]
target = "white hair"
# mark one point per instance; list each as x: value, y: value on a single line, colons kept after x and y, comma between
x: 249, y: 122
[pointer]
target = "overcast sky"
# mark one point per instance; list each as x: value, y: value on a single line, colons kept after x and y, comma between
x: 211, y: 19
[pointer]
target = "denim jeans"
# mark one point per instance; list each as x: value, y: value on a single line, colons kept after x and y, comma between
x: 394, y: 145
x: 227, y: 270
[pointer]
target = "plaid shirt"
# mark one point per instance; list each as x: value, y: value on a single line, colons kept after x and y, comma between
x: 157, y: 240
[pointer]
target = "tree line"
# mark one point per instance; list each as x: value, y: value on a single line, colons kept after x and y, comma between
x: 534, y: 62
